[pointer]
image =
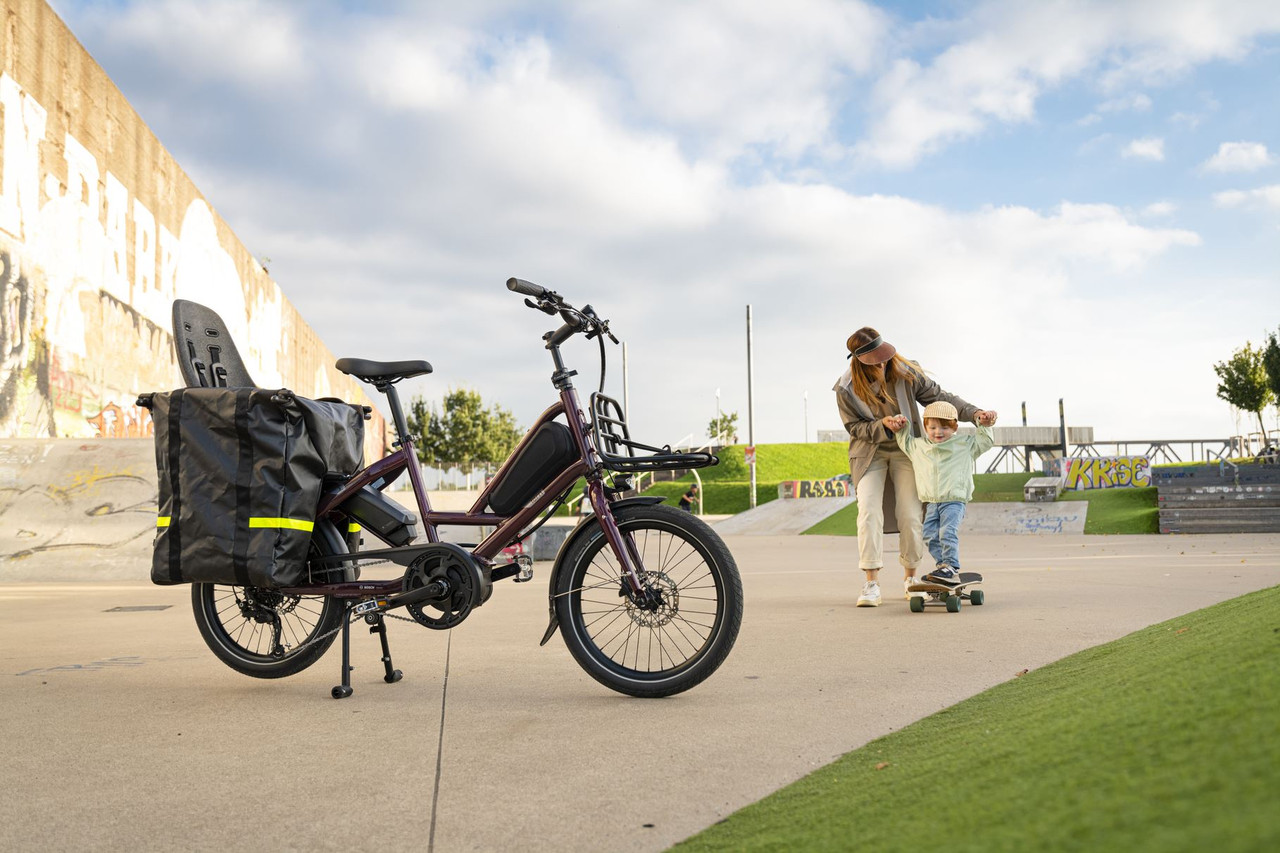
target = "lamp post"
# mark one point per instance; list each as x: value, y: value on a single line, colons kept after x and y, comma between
x: 806, y: 417
x: 751, y: 414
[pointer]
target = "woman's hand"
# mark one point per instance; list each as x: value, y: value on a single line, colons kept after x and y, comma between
x: 985, y: 417
x: 893, y: 423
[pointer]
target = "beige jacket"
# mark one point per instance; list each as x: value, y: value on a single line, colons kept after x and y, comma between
x: 865, y: 429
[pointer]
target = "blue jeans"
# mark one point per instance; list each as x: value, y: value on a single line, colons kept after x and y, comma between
x: 942, y: 532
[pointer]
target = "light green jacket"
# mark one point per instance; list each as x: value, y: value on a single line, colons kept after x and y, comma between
x: 944, y: 471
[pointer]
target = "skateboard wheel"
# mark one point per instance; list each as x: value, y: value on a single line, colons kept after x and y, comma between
x: 976, y: 597
x: 917, y: 604
x: 953, y: 604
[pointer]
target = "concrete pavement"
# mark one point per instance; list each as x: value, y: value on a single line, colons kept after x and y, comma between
x: 122, y: 731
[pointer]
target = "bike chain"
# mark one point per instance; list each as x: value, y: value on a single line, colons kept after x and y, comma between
x: 353, y: 616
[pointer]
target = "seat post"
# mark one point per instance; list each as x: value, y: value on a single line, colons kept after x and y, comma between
x: 397, y: 413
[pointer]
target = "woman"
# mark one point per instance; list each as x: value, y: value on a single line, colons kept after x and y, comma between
x: 879, y: 388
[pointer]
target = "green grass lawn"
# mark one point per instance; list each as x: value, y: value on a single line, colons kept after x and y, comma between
x: 1111, y: 511
x: 726, y: 489
x: 1164, y: 740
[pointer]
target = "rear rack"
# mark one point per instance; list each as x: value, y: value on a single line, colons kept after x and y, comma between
x: 618, y: 451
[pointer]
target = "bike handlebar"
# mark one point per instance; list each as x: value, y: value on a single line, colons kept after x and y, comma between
x: 575, y: 319
x: 528, y: 288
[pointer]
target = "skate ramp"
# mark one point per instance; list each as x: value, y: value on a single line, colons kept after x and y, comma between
x: 781, y: 516
x: 1025, y: 517
x: 76, y: 510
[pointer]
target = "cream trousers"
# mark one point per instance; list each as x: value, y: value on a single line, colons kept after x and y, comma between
x: 890, y: 462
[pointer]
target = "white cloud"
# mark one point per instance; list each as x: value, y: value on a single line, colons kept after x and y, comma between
x: 735, y: 74
x: 1239, y: 157
x: 253, y: 43
x: 1149, y: 148
x: 1266, y: 197
x: 1159, y: 209
x: 421, y: 161
x: 1020, y: 50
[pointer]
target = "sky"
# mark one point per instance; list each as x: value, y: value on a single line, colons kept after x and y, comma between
x: 1035, y: 201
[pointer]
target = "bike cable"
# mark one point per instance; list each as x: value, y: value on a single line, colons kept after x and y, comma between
x: 559, y: 502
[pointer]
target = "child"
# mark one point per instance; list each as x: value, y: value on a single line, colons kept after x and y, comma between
x: 943, y: 464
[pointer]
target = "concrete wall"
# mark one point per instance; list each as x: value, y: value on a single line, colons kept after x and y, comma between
x: 100, y: 230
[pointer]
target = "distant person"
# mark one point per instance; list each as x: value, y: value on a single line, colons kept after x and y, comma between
x: 687, y: 499
x: 878, y: 387
x: 944, y: 465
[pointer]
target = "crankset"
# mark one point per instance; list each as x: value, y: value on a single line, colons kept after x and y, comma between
x: 466, y: 586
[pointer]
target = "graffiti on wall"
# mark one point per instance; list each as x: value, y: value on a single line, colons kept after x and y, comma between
x: 1104, y: 472
x: 834, y: 488
x: 91, y: 262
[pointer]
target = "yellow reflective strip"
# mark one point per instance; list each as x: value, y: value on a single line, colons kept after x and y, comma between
x: 353, y: 528
x: 290, y: 523
x: 162, y: 521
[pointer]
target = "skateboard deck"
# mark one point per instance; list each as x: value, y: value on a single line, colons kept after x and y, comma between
x: 948, y: 596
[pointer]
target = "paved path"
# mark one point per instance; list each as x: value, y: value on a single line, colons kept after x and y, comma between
x: 123, y: 732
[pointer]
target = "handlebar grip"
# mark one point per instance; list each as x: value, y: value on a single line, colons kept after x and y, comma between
x: 528, y: 288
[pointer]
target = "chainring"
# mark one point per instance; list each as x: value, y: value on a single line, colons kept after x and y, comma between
x: 468, y: 584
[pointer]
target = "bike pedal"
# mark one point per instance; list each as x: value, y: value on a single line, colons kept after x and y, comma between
x: 370, y: 606
x: 525, y: 562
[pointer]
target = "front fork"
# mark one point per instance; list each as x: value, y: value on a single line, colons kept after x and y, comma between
x: 623, y: 545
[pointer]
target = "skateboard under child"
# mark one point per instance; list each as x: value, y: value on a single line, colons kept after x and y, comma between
x: 950, y: 596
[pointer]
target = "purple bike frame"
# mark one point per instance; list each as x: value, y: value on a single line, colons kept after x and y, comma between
x: 506, y: 527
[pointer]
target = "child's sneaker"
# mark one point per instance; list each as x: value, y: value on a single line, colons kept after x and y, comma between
x: 870, y: 595
x: 906, y: 586
x: 944, y: 575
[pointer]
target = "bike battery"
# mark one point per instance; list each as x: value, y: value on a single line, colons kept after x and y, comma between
x: 382, y: 516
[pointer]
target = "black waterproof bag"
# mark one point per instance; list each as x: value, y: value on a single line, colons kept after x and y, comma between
x: 240, y: 472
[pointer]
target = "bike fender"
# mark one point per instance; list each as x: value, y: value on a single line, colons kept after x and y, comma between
x: 575, y: 534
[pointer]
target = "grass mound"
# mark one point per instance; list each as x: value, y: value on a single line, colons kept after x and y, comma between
x: 1163, y: 740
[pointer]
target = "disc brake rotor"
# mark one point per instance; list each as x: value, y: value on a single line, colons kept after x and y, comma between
x: 662, y: 604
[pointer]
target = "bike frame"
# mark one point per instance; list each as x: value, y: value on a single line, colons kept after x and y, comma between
x: 506, y: 527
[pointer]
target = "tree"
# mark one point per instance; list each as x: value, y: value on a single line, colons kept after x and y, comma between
x: 463, y: 433
x: 722, y: 428
x: 1243, y: 382
x: 1271, y: 364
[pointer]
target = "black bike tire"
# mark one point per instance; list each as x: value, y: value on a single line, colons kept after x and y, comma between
x: 721, y: 636
x: 220, y: 641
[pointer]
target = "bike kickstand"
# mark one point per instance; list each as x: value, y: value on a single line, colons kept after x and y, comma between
x: 379, y: 627
x: 343, y: 690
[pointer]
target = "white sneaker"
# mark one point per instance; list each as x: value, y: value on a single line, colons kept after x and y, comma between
x: 870, y: 595
x: 906, y: 586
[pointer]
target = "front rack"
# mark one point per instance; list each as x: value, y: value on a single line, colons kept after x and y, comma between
x: 618, y: 451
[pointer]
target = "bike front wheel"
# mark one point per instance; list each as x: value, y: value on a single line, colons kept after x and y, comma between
x: 677, y: 630
x: 263, y: 632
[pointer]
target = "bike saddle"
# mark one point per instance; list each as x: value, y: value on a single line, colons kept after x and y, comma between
x: 378, y: 372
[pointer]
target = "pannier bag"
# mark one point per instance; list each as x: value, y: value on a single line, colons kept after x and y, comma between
x: 240, y: 472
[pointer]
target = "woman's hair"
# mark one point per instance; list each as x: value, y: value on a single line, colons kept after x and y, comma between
x: 895, y: 368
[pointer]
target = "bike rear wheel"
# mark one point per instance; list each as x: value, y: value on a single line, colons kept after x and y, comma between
x: 238, y: 623
x: 675, y: 634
